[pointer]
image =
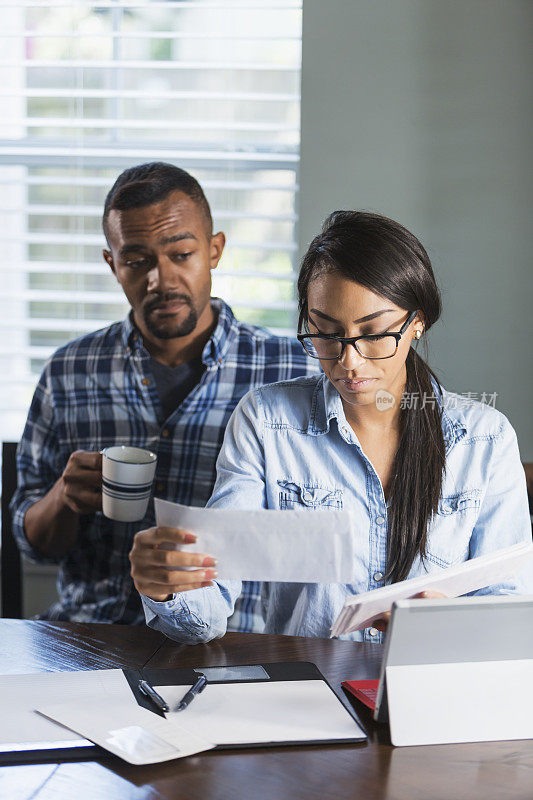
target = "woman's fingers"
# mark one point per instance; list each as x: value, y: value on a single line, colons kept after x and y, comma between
x: 382, y: 622
x: 159, y: 572
x: 177, y: 559
x: 172, y: 578
x: 155, y: 537
x: 159, y: 586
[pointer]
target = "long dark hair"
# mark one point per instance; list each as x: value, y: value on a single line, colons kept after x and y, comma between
x: 383, y: 256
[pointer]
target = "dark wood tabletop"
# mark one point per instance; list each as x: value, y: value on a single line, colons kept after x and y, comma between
x: 375, y: 770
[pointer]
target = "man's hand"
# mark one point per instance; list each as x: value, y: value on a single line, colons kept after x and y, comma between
x: 80, y: 486
x: 382, y: 622
x: 157, y: 572
x: 51, y: 524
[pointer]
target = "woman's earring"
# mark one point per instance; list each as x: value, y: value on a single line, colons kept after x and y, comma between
x: 417, y: 335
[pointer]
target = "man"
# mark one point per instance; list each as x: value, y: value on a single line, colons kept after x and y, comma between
x: 167, y: 378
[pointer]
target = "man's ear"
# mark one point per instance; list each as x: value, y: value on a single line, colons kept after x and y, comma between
x: 216, y: 247
x: 108, y: 258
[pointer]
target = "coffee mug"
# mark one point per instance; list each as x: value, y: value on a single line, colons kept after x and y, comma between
x: 127, y: 475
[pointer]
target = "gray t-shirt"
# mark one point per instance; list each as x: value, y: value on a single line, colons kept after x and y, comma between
x: 173, y: 384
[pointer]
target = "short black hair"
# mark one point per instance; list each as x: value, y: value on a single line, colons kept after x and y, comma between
x: 149, y: 183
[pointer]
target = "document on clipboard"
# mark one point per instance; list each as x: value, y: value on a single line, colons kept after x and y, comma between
x: 265, y: 713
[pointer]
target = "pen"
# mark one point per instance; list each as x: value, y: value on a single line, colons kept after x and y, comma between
x: 150, y: 692
x: 198, y: 687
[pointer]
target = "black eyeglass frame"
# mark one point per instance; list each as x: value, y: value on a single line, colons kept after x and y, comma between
x: 344, y: 341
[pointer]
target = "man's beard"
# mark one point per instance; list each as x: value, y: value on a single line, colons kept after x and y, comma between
x: 165, y: 328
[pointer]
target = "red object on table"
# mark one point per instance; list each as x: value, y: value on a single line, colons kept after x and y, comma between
x: 365, y: 691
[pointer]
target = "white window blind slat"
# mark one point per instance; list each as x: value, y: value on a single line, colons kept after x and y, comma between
x: 153, y: 35
x: 164, y: 4
x: 135, y: 94
x: 36, y: 180
x: 272, y: 159
x: 153, y: 124
x: 126, y: 64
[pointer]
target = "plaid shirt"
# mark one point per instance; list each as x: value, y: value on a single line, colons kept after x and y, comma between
x: 99, y: 391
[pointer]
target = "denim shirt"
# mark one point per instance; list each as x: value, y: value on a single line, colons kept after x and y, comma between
x: 289, y: 445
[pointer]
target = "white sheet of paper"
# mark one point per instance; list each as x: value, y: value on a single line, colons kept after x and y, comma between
x: 130, y: 732
x: 263, y: 712
x: 361, y: 610
x: 269, y: 545
x: 21, y: 694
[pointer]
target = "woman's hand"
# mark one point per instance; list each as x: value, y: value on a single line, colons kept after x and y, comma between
x: 157, y: 570
x: 381, y: 623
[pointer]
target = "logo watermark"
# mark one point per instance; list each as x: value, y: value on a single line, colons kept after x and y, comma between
x: 384, y: 400
x: 416, y: 400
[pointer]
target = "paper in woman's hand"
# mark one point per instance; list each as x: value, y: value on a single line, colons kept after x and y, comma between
x: 268, y: 545
x: 361, y: 610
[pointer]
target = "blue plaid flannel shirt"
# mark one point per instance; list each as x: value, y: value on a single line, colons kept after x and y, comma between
x: 99, y: 391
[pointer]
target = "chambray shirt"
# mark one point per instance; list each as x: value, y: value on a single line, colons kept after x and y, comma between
x: 99, y: 391
x: 289, y: 446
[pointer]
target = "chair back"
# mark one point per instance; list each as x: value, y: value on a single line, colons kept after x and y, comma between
x: 11, y: 560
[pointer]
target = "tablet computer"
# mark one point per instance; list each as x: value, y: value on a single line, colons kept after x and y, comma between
x: 444, y: 631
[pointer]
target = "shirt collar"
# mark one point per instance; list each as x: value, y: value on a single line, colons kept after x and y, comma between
x: 454, y: 425
x: 129, y: 333
x: 218, y: 345
x: 327, y: 405
x: 216, y: 348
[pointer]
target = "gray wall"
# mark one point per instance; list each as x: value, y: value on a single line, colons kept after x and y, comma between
x: 422, y: 110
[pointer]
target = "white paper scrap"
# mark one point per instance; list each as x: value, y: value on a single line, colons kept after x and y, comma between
x: 132, y: 733
x: 269, y: 545
x: 359, y: 611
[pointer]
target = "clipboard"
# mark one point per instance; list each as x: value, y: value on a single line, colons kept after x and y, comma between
x: 244, y: 673
x: 46, y: 752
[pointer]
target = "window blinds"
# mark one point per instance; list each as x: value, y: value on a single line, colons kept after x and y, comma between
x: 88, y: 89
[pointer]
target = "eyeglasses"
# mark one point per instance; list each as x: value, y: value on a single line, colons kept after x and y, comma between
x: 377, y: 345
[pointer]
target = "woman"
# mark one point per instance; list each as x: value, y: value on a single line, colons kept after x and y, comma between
x: 431, y: 478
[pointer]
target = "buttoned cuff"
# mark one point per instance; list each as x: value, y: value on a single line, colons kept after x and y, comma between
x: 175, y: 611
x: 20, y: 535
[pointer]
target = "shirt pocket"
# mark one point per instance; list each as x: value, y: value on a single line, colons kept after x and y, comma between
x: 308, y: 495
x: 451, y: 529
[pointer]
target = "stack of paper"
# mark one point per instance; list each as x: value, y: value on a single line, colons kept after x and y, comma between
x: 20, y: 695
x: 361, y: 610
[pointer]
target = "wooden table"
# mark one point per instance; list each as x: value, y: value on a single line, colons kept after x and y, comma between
x: 370, y: 771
